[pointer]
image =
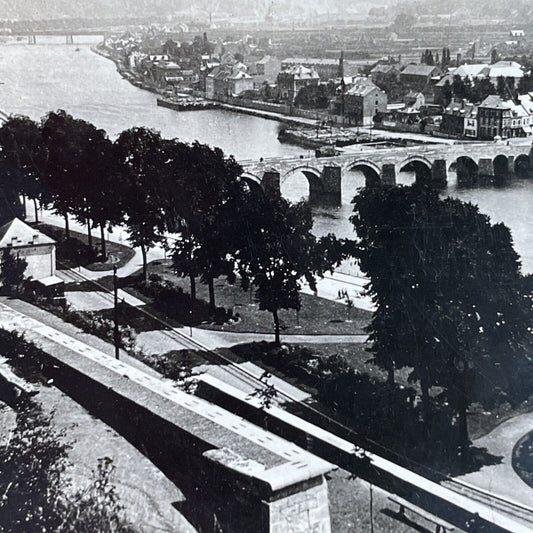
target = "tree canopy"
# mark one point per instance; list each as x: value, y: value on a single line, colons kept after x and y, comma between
x: 446, y: 284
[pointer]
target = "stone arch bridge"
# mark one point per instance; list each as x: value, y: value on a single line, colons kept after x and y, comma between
x: 473, y: 162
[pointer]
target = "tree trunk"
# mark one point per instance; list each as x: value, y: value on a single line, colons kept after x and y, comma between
x: 462, y: 407
x: 211, y: 284
x: 193, y: 287
x: 36, y: 210
x: 277, y: 339
x: 89, y: 234
x: 104, y: 247
x: 145, y: 263
x: 67, y: 228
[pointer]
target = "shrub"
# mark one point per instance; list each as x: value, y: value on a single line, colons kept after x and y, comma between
x: 175, y: 303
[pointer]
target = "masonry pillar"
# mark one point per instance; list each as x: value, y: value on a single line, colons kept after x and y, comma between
x: 486, y: 170
x: 439, y: 174
x: 331, y: 187
x: 510, y: 164
x: 303, y: 508
x: 466, y: 175
x: 271, y: 182
x: 388, y: 175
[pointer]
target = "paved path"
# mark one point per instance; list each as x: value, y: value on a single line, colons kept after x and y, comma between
x: 502, y: 479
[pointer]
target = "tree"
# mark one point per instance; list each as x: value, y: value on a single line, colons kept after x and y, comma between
x: 65, y: 139
x: 100, y: 184
x: 208, y: 189
x: 525, y: 84
x: 276, y: 250
x: 140, y: 157
x: 459, y: 87
x: 446, y: 287
x: 312, y: 97
x: 22, y: 158
x: 31, y: 467
x: 482, y: 88
x: 501, y: 88
x: 12, y: 270
x: 447, y: 93
x: 35, y: 493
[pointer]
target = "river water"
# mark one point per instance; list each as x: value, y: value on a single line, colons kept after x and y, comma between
x: 51, y: 75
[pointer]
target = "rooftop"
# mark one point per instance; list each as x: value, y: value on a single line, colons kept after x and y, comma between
x: 16, y: 233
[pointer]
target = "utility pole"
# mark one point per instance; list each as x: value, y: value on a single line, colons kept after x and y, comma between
x: 115, y: 314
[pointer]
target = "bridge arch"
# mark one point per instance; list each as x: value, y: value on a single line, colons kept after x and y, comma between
x: 501, y: 166
x: 467, y: 170
x: 419, y: 165
x: 522, y: 165
x: 251, y: 180
x: 370, y: 170
x: 314, y: 179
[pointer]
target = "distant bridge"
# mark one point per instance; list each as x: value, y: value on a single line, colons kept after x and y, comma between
x: 68, y: 34
x: 473, y: 162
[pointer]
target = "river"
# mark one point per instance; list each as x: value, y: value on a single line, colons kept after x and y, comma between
x: 51, y: 75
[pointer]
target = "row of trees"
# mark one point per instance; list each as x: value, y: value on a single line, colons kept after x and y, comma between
x: 189, y: 196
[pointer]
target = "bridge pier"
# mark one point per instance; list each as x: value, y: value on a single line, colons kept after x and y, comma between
x: 388, y: 175
x: 329, y: 194
x: 486, y: 170
x: 510, y: 164
x: 439, y: 174
x: 271, y: 183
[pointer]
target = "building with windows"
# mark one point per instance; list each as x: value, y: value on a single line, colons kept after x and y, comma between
x: 360, y: 103
x: 292, y: 79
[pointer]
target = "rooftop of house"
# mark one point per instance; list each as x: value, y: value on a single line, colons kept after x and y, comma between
x: 302, y: 73
x: 17, y: 234
x: 310, y: 61
x: 493, y: 101
x: 461, y: 109
x: 421, y: 70
x: 382, y: 68
x: 361, y: 87
x: 472, y: 71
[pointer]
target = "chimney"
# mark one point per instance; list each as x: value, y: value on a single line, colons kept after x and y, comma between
x: 35, y: 238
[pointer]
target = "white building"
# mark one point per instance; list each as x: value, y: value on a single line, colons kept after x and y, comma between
x: 35, y: 247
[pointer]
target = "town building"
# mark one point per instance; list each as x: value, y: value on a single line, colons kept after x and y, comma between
x: 36, y: 248
x: 385, y: 73
x: 238, y: 83
x: 418, y: 76
x: 268, y: 67
x: 494, y: 116
x: 459, y: 119
x: 292, y: 79
x: 505, y: 69
x: 472, y: 71
x: 360, y: 103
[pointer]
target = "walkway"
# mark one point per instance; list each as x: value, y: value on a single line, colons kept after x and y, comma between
x: 502, y: 479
